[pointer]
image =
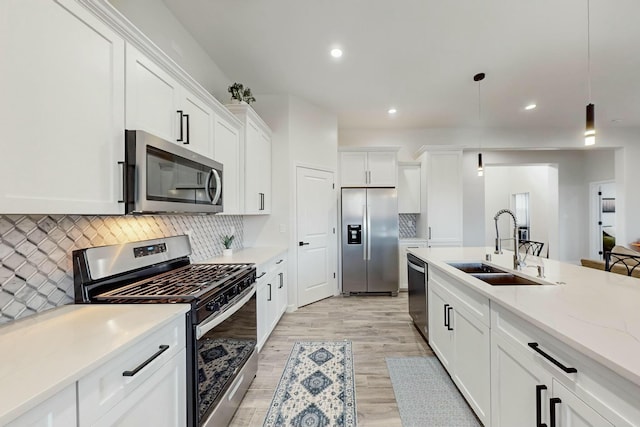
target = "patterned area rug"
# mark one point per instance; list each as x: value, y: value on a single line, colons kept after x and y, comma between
x: 317, y: 387
x: 426, y: 396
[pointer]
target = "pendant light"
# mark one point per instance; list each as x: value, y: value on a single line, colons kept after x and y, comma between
x: 478, y: 78
x: 590, y: 129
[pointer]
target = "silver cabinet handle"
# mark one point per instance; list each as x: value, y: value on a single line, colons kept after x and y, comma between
x: 429, y: 232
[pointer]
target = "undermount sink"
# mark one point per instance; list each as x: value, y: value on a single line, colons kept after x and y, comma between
x: 475, y: 267
x: 492, y: 275
x: 504, y: 279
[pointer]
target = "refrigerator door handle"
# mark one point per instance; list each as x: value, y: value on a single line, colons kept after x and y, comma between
x: 368, y: 235
x: 364, y: 232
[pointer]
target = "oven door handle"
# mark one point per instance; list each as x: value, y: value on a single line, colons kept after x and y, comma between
x: 207, y: 326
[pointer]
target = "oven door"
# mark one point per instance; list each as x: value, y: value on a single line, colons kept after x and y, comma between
x: 226, y: 360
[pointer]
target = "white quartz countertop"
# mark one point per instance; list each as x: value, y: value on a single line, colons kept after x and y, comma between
x: 595, y: 312
x: 253, y: 255
x: 44, y: 353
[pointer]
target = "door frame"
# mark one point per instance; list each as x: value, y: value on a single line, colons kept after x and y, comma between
x: 293, y: 243
x: 595, y: 231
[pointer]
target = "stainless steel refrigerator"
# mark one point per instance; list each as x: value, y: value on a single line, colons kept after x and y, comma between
x: 370, y: 240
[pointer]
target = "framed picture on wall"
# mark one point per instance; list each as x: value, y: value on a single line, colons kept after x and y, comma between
x: 608, y: 205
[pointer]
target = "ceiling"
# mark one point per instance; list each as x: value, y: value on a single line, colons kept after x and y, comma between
x: 420, y: 56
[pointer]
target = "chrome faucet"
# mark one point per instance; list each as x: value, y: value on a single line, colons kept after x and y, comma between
x: 517, y: 262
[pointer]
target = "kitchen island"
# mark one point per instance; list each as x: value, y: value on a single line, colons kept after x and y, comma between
x: 509, y: 348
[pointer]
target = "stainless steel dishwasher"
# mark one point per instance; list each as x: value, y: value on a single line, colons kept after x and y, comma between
x: 418, y: 276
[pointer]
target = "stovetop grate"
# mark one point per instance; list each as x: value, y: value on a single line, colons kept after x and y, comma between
x: 186, y: 283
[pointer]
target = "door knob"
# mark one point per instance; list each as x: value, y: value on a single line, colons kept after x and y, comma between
x: 302, y: 243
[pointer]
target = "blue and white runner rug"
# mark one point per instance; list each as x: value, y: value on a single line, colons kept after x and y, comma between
x: 317, y: 387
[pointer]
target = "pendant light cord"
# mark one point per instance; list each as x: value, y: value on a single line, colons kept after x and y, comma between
x: 479, y: 115
x: 589, y: 48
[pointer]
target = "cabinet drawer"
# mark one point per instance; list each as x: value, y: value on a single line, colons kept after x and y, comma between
x: 610, y: 395
x: 474, y: 303
x: 108, y: 385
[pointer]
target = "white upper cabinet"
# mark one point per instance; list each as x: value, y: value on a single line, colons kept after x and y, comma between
x: 368, y: 168
x: 227, y: 151
x: 62, y: 110
x: 256, y: 142
x: 151, y: 96
x: 160, y: 105
x: 409, y: 188
x: 444, y: 197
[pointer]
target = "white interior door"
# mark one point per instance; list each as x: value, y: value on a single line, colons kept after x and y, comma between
x: 316, y: 222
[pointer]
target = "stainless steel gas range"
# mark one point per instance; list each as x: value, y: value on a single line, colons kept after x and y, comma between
x: 222, y: 359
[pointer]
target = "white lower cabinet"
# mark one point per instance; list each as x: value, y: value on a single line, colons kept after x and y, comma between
x: 282, y: 289
x: 266, y: 306
x: 570, y: 411
x: 159, y: 401
x: 461, y: 340
x: 57, y: 411
x: 144, y: 385
x: 535, y: 388
x: 520, y: 388
x: 271, y: 296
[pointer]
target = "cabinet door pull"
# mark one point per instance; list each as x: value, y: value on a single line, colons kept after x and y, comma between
x: 124, y: 180
x: 429, y: 233
x: 536, y: 347
x: 449, y: 327
x: 303, y: 243
x: 280, y: 262
x: 269, y: 285
x: 186, y: 116
x: 552, y: 409
x: 161, y: 350
x: 446, y: 320
x: 539, y: 389
x: 263, y: 273
x: 281, y: 280
x: 181, y: 126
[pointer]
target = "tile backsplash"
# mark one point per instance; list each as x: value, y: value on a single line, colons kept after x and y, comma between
x: 407, y: 224
x: 36, y: 273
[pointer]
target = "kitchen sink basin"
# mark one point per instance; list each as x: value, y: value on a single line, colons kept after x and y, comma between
x: 475, y: 267
x: 492, y: 275
x: 504, y: 279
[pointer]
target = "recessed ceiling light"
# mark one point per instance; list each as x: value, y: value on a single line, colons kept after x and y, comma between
x: 530, y: 107
x: 336, y: 53
x: 392, y: 111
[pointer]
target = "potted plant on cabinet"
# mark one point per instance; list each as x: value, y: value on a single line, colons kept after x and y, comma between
x: 240, y: 95
x: 226, y: 241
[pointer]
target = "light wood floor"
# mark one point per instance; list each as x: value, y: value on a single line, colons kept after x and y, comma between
x: 378, y: 326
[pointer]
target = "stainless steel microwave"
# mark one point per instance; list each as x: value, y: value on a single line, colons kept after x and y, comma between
x: 161, y: 176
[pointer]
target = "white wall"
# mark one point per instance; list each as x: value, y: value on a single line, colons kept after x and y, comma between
x: 573, y: 202
x: 303, y: 134
x: 501, y: 182
x: 155, y: 20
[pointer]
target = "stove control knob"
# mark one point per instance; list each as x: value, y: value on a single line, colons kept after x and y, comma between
x: 213, y: 306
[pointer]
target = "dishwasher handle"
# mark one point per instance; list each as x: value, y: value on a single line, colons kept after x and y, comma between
x: 415, y: 267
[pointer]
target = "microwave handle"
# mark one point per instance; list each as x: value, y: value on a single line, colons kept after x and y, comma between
x: 214, y: 173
